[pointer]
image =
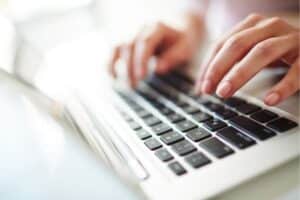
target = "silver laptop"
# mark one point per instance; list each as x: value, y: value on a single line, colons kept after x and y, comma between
x: 182, y: 146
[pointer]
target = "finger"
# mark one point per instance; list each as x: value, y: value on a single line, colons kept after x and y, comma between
x: 286, y: 87
x: 250, y: 21
x: 259, y: 57
x: 146, y: 47
x: 174, y: 56
x: 112, y: 63
x: 127, y: 55
x: 236, y: 47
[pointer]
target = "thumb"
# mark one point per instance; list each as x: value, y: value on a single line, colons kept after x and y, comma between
x: 172, y: 57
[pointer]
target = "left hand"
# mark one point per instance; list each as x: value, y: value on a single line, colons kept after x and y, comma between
x: 251, y: 46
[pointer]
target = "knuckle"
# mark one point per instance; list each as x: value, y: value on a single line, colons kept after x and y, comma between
x: 265, y: 49
x: 275, y: 21
x: 236, y: 44
x: 254, y: 16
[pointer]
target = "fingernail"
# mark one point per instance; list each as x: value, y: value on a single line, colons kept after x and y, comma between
x: 272, y: 98
x: 206, y: 86
x: 224, y: 89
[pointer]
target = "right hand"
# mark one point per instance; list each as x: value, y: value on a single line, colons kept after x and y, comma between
x: 171, y: 48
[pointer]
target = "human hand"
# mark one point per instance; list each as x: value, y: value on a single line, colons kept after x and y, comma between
x: 170, y: 46
x: 251, y: 46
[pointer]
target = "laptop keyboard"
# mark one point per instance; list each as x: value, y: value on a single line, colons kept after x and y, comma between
x: 194, y: 127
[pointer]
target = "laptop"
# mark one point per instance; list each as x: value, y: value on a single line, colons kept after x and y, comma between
x: 179, y: 145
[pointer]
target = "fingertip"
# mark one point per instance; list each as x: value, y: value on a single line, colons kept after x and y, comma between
x: 224, y: 90
x: 272, y: 99
x: 161, y: 67
x: 206, y: 87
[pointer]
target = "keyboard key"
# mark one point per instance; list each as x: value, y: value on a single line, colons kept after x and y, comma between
x: 282, y: 124
x: 181, y: 103
x: 134, y: 125
x: 185, y: 125
x: 164, y: 155
x: 171, y: 137
x: 225, y: 113
x: 248, y: 108
x: 135, y: 106
x: 126, y: 117
x: 166, y: 111
x: 175, y: 117
x: 234, y: 101
x: 198, y: 134
x: 161, y: 128
x: 201, y: 117
x: 153, y: 144
x: 214, y: 125
x: 191, y: 109
x: 143, y: 113
x: 216, y: 147
x: 212, y: 106
x: 235, y: 137
x: 252, y: 128
x: 151, y: 121
x: 183, y: 147
x: 197, y: 160
x: 177, y: 168
x: 264, y: 116
x: 143, y: 134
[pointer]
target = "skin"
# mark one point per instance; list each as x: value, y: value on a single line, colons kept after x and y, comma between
x: 250, y: 46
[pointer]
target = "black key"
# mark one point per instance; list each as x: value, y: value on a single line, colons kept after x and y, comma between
x: 183, y: 147
x: 191, y: 109
x: 157, y: 104
x: 212, y: 106
x: 198, y: 134
x: 181, y: 103
x: 153, y: 144
x: 264, y: 116
x: 201, y: 117
x: 282, y: 124
x: 164, y: 155
x: 151, y: 121
x: 126, y: 117
x: 216, y: 147
x: 177, y: 168
x: 197, y: 160
x: 175, y: 117
x: 225, y: 113
x: 143, y: 134
x: 185, y: 125
x: 248, y: 108
x: 235, y: 137
x: 135, y: 106
x: 166, y: 111
x: 214, y: 125
x: 252, y: 128
x: 171, y: 137
x: 161, y: 128
x: 234, y: 101
x: 143, y: 113
x: 134, y: 125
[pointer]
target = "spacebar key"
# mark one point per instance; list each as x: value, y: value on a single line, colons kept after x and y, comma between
x: 252, y: 128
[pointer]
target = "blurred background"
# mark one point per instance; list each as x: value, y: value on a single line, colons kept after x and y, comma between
x: 37, y: 35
